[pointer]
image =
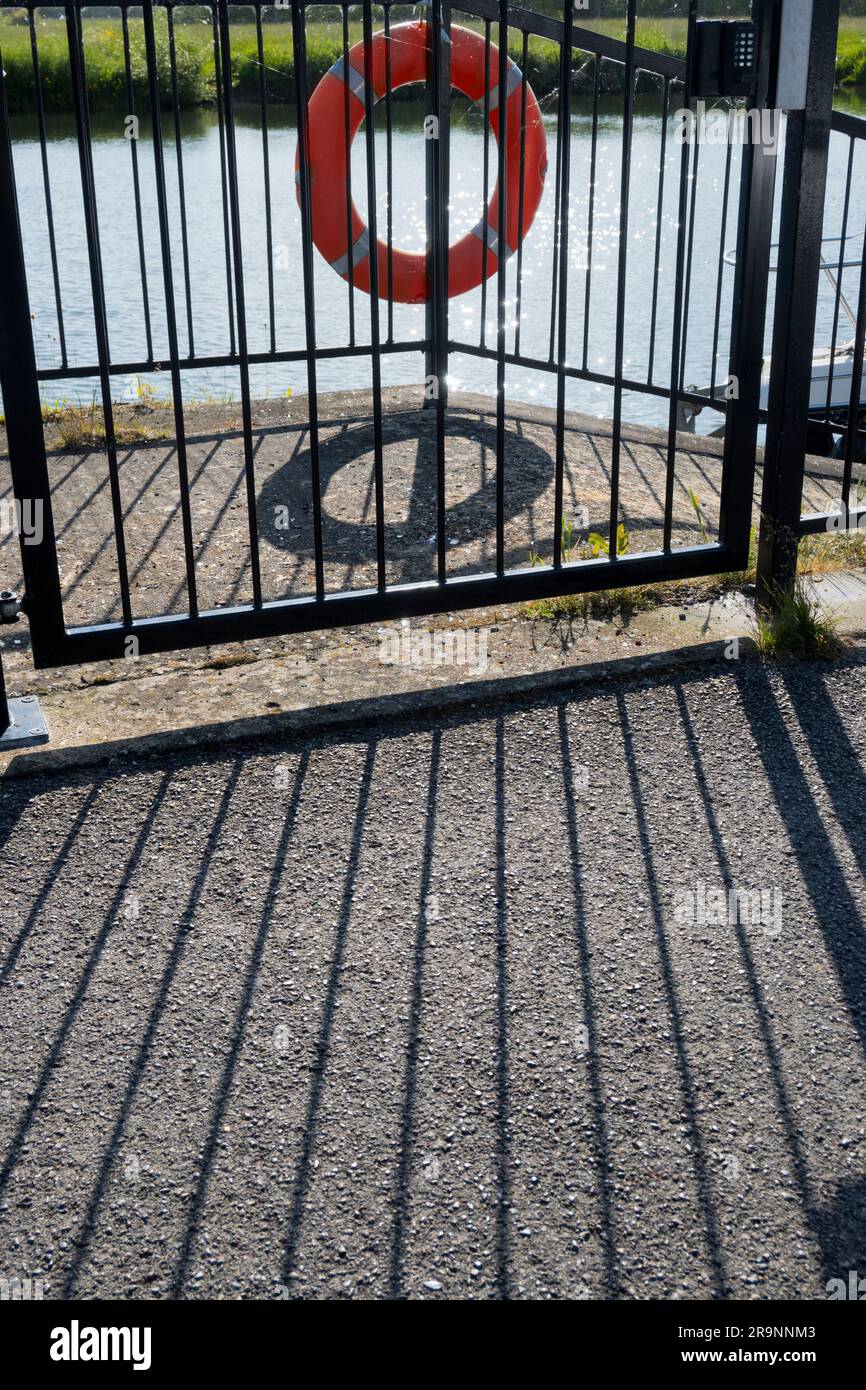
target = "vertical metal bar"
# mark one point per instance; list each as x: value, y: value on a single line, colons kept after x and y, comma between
x: 751, y: 282
x: 622, y: 269
x: 237, y: 255
x: 690, y: 253
x: 375, y: 355
x: 100, y: 318
x: 431, y: 107
x: 46, y: 182
x: 389, y: 175
x: 23, y: 413
x: 807, y: 148
x: 501, y: 284
x: 676, y: 335
x: 854, y: 405
x: 726, y: 199
x: 266, y: 170
x: 593, y: 165
x: 849, y: 176
x: 440, y: 76
x: 300, y: 65
x: 348, y: 146
x: 485, y: 201
x: 218, y: 83
x: 666, y: 98
x: 136, y: 186
x: 181, y: 190
x: 168, y: 290
x: 557, y: 227
x: 520, y: 200
x: 565, y: 189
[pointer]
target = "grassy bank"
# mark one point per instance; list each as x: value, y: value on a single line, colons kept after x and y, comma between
x: 196, y: 72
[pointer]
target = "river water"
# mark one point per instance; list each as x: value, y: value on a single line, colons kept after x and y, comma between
x: 201, y: 168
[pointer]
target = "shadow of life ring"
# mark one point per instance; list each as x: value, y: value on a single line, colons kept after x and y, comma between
x: 330, y: 149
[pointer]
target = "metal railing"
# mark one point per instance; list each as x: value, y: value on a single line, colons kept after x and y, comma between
x: 837, y: 410
x: 747, y: 187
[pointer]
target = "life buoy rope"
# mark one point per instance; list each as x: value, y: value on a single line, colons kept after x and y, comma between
x: 329, y: 152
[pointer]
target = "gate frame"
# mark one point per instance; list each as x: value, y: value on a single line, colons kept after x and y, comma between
x: 55, y: 644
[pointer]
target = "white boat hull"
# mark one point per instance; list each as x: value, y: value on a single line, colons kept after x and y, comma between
x: 840, y: 390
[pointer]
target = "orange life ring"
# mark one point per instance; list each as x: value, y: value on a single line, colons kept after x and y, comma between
x: 329, y: 151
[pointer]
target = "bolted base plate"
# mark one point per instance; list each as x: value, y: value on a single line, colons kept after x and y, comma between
x: 28, y: 725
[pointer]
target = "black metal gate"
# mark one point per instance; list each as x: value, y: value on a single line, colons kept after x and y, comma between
x: 602, y: 76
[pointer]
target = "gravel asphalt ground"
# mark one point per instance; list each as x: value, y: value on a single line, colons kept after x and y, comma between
x: 443, y: 1010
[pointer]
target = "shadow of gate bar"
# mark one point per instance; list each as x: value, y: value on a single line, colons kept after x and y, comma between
x: 820, y: 404
x: 56, y: 640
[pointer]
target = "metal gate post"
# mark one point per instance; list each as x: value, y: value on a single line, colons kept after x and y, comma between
x: 21, y: 720
x: 802, y: 228
x: 751, y: 280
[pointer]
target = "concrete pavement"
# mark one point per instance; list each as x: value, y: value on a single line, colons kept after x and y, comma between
x: 452, y: 1007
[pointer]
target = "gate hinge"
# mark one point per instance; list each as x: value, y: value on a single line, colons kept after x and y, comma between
x: 11, y: 606
x: 726, y: 58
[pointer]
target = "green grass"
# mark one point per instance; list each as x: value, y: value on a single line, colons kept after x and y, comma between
x: 669, y: 36
x: 851, y: 53
x: 195, y: 59
x: 827, y: 554
x: 798, y: 629
x: 605, y: 606
x: 76, y: 427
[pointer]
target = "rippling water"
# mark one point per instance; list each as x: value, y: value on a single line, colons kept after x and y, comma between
x: 208, y: 297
